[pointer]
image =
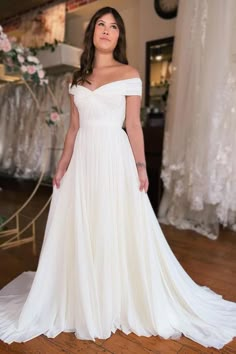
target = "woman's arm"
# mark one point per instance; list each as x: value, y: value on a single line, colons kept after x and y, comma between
x: 135, y: 134
x: 68, y: 144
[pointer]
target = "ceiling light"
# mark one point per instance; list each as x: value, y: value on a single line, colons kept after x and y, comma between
x: 158, y: 57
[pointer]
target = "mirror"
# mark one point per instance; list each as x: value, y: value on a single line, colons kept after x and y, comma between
x: 158, y: 74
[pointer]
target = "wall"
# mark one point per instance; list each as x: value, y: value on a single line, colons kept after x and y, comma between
x: 151, y: 27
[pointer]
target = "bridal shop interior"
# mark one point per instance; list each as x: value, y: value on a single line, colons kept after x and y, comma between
x: 186, y: 57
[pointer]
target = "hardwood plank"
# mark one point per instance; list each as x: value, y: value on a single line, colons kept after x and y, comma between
x: 187, y: 350
x: 191, y: 345
x: 120, y: 344
x: 63, y: 343
x: 155, y: 343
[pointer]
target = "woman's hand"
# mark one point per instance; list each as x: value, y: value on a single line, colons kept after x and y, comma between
x: 58, y: 176
x: 143, y: 178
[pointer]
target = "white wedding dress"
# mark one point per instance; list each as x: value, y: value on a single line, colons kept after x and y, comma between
x: 104, y: 263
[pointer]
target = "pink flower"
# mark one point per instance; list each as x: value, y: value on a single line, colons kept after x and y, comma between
x: 5, y: 45
x: 41, y: 74
x: 20, y: 58
x: 54, y: 116
x: 31, y: 69
x: 23, y: 68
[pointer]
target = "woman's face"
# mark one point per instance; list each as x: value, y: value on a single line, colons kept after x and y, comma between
x: 106, y: 33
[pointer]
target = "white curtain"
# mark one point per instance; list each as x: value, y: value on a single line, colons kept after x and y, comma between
x: 24, y: 135
x: 199, y: 163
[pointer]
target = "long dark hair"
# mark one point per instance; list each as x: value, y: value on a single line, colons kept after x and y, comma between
x: 87, y: 57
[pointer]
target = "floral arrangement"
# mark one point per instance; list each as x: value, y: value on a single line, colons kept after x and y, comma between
x: 18, y: 59
x: 54, y: 116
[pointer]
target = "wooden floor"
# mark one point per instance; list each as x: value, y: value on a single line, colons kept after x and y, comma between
x: 211, y: 263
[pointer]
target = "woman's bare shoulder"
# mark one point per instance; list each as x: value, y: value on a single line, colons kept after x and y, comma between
x: 128, y: 72
x: 132, y: 72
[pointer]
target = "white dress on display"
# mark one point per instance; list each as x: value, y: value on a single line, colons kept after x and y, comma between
x: 105, y: 263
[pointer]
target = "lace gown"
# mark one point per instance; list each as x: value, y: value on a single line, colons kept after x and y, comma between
x: 104, y: 263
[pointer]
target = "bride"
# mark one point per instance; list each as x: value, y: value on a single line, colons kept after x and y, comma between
x: 105, y: 263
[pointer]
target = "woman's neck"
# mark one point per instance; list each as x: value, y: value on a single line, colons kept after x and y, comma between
x: 103, y: 60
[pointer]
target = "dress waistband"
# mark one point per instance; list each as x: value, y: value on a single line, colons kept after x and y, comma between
x: 97, y: 123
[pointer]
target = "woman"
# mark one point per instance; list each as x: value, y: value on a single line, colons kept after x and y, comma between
x: 105, y: 264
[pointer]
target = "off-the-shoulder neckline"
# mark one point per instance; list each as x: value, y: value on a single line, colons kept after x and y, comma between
x: 108, y: 83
